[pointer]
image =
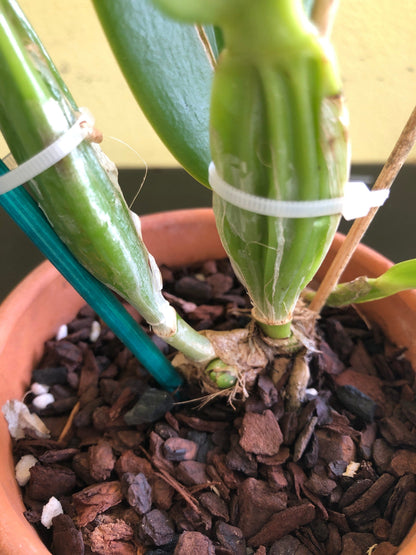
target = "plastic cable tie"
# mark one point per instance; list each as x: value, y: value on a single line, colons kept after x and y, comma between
x: 356, y: 202
x: 49, y: 156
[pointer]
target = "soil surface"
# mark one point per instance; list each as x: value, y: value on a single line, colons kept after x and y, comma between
x: 138, y: 472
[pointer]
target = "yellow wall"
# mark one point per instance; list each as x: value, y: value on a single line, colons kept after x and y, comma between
x: 375, y: 41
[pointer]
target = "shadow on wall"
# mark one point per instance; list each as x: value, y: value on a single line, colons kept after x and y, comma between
x: 392, y: 232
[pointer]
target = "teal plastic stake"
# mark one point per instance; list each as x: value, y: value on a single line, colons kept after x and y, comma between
x: 25, y: 212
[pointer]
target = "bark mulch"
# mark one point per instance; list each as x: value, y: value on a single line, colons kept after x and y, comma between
x: 137, y: 472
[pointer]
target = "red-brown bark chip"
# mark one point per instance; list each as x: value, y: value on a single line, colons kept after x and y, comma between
x: 335, y: 447
x: 47, y: 481
x: 112, y: 537
x: 194, y: 543
x: 96, y: 499
x: 260, y: 433
x: 403, y: 519
x: 289, y: 545
x: 191, y: 473
x: 371, y: 495
x: 67, y: 539
x: 356, y: 543
x: 157, y: 527
x: 215, y: 505
x: 231, y: 538
x: 101, y: 460
x: 403, y: 462
x: 385, y: 548
x: 283, y: 523
x: 257, y: 502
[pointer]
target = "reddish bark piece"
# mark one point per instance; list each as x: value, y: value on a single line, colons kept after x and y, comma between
x: 157, y: 527
x: 257, y: 502
x: 403, y: 462
x: 230, y: 478
x: 403, y: 519
x: 289, y: 545
x: 276, y: 477
x: 130, y: 462
x: 335, y: 447
x: 369, y: 385
x: 328, y: 359
x: 396, y: 433
x: 283, y: 523
x: 112, y: 537
x: 240, y: 460
x: 354, y: 491
x: 179, y: 449
x: 231, y: 538
x: 219, y: 484
x: 367, y: 439
x: 333, y: 544
x: 275, y: 460
x: 405, y: 483
x: 207, y: 313
x: 220, y: 283
x: 215, y: 505
x: 381, y: 529
x: 59, y: 455
x: 361, y: 361
x: 101, y: 460
x: 51, y: 480
x: 191, y: 543
x: 371, y: 495
x: 320, y: 485
x: 162, y: 493
x: 67, y: 539
x: 126, y: 396
x: 202, y: 425
x: 96, y: 499
x: 191, y: 473
x: 260, y: 433
x: 385, y: 548
x: 383, y: 454
x: 356, y: 543
x: 90, y: 372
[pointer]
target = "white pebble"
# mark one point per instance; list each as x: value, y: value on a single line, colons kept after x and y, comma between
x: 95, y: 331
x: 39, y: 388
x: 52, y: 509
x: 43, y: 400
x: 310, y: 394
x: 62, y: 332
x: 23, y: 467
x: 20, y: 420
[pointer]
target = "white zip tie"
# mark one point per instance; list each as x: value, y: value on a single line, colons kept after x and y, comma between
x: 355, y: 203
x: 49, y: 156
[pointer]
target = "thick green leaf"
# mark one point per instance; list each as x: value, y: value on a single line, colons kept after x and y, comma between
x: 169, y: 72
x: 399, y: 277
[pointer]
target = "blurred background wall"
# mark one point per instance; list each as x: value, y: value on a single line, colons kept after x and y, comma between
x: 376, y: 46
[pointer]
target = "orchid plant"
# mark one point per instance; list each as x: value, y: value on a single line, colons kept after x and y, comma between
x: 248, y: 98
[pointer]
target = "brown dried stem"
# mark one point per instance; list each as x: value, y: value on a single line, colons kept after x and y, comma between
x: 385, y: 180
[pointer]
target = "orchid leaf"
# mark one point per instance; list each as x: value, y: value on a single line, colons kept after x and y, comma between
x: 169, y: 69
x: 399, y: 277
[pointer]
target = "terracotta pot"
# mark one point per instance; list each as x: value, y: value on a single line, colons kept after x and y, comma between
x: 44, y: 300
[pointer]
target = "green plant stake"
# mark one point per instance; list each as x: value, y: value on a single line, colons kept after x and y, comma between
x: 21, y: 207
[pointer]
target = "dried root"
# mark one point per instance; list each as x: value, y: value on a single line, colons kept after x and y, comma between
x: 246, y: 353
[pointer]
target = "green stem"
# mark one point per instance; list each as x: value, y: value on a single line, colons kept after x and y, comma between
x: 277, y: 331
